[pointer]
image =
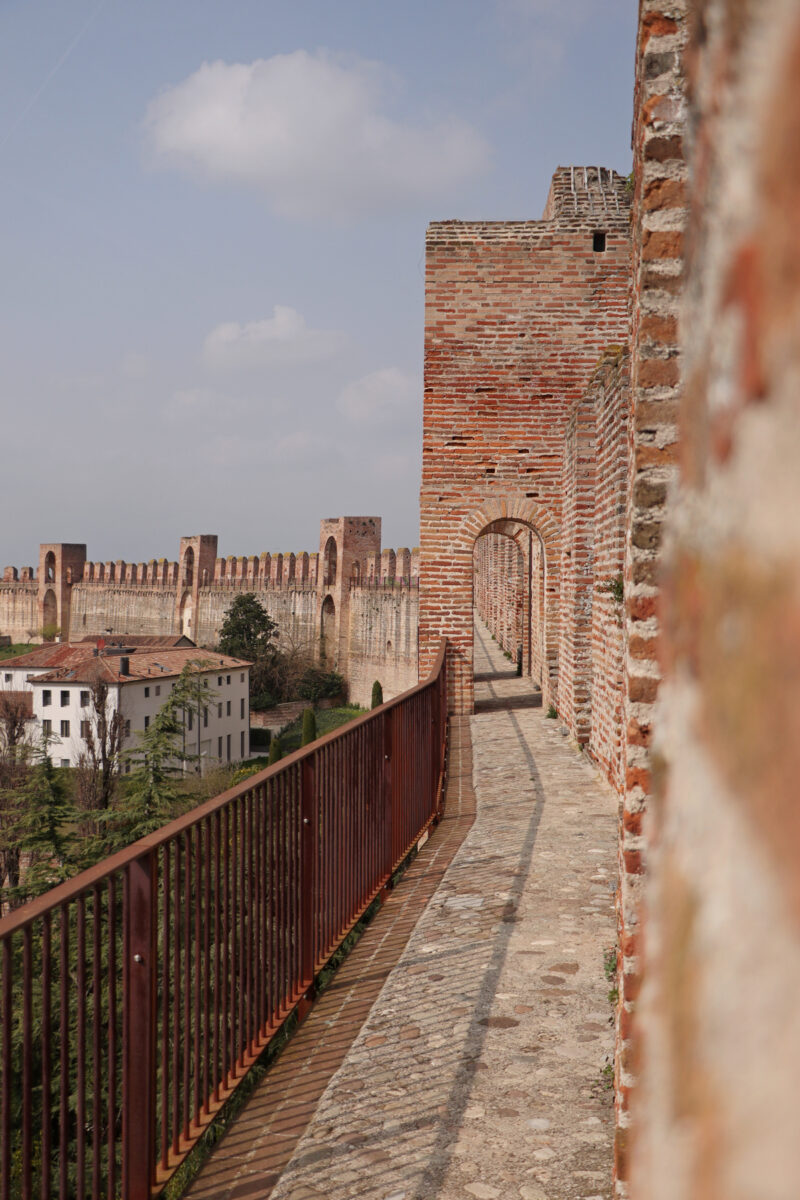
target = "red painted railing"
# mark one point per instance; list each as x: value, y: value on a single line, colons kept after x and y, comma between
x: 136, y: 996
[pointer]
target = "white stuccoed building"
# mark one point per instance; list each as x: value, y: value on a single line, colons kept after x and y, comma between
x: 139, y: 678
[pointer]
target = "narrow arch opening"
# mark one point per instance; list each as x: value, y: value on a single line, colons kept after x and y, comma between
x: 330, y: 556
x: 49, y: 616
x: 50, y: 567
x: 327, y: 632
x: 510, y: 642
x: 188, y: 567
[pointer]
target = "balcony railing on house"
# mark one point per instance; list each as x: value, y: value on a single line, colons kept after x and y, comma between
x: 136, y: 996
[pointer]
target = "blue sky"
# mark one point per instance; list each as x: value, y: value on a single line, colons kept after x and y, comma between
x: 212, y: 229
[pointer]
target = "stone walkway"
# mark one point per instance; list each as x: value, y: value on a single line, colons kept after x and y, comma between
x: 473, y: 1067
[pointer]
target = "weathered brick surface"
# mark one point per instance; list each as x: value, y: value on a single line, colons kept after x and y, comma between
x: 716, y: 1112
x: 517, y: 316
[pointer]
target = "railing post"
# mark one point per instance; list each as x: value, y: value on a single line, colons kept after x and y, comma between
x: 308, y: 890
x: 138, y: 1032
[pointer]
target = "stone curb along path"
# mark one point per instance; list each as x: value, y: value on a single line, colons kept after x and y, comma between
x: 479, y: 1070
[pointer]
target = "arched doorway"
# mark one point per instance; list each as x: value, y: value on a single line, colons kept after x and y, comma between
x: 329, y: 563
x: 447, y: 595
x: 327, y: 632
x: 187, y: 609
x: 49, y: 615
x: 509, y: 600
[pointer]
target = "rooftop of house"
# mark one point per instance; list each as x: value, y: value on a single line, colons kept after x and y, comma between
x: 53, y: 655
x: 146, y: 663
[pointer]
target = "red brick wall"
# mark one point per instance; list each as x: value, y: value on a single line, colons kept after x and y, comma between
x: 658, y: 221
x: 716, y: 1114
x: 610, y: 391
x: 517, y: 316
x: 500, y: 588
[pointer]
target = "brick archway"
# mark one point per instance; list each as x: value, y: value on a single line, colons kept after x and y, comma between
x: 446, y: 591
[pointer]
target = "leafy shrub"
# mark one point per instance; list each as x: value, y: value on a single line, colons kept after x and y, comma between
x: 319, y: 684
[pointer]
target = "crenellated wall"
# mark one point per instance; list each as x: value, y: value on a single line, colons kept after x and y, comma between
x: 373, y: 596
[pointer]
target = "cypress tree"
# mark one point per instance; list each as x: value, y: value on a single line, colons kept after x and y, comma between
x: 377, y: 694
x: 309, y: 726
x: 275, y: 751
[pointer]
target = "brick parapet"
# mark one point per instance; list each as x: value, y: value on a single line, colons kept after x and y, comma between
x: 659, y: 219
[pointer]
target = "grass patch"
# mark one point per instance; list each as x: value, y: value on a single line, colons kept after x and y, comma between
x: 16, y: 648
x: 328, y: 719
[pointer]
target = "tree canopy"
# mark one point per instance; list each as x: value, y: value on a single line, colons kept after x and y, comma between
x: 248, y: 631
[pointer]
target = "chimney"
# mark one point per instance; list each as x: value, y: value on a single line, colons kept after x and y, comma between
x: 124, y: 665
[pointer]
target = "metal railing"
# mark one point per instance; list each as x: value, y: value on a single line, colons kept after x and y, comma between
x: 136, y: 996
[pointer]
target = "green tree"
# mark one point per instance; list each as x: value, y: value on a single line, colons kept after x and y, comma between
x: 377, y: 694
x: 248, y: 631
x: 152, y: 796
x: 275, y: 751
x: 309, y: 727
x: 46, y: 827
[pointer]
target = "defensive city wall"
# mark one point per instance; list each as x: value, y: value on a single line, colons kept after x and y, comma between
x: 353, y: 605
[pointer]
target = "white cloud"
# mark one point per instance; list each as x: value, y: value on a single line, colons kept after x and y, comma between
x: 380, y: 398
x: 309, y: 130
x: 284, y: 339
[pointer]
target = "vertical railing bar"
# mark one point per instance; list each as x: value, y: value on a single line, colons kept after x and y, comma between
x: 176, y: 1000
x: 111, y: 1188
x: 96, y: 1041
x: 226, y: 942
x: 46, y: 1053
x: 27, y: 1067
x: 198, y: 965
x: 234, y: 924
x: 80, y: 1112
x: 166, y: 928
x: 187, y: 979
x: 218, y: 987
x: 64, y: 1056
x: 207, y: 967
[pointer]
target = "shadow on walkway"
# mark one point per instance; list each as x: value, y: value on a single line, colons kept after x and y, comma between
x: 522, y: 697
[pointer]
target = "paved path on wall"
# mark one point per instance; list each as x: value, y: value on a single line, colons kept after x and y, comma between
x: 473, y: 1067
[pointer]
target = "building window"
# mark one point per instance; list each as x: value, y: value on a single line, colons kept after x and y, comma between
x: 84, y: 699
x: 219, y: 748
x: 241, y: 702
x: 85, y: 730
x: 47, y: 698
x: 228, y: 709
x: 598, y: 241
x: 241, y: 677
x: 228, y: 747
x: 205, y: 718
x: 146, y: 693
x: 158, y: 689
x: 64, y: 699
x: 219, y: 710
x: 127, y: 729
x: 47, y: 727
x: 7, y: 677
x: 147, y: 722
x: 127, y: 768
x: 219, y: 681
x: 227, y: 679
x: 65, y: 728
x: 189, y: 720
x: 64, y: 762
x: 241, y: 752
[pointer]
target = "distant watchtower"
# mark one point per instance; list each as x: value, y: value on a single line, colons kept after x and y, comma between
x: 344, y: 543
x: 60, y: 566
x: 198, y: 555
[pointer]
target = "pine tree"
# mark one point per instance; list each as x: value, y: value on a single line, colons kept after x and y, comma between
x: 46, y: 827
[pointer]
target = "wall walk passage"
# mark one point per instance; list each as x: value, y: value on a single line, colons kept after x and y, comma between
x: 477, y: 1069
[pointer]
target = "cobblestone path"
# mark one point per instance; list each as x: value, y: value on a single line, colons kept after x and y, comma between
x: 478, y: 1070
